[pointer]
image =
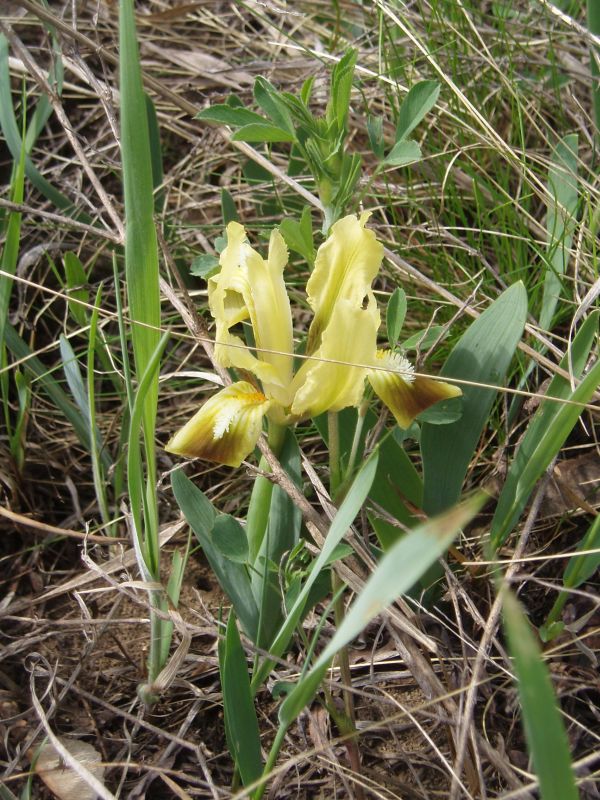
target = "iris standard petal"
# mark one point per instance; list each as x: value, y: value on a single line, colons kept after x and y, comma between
x: 405, y: 394
x: 270, y: 313
x: 345, y: 268
x: 226, y: 428
x: 250, y: 287
x: 351, y: 338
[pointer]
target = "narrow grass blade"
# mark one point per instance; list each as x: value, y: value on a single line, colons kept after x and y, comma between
x: 95, y: 435
x: 580, y: 568
x: 542, y: 721
x: 546, y: 433
x: 10, y: 129
x: 243, y: 733
x: 77, y: 293
x: 399, y: 570
x: 562, y: 187
x: 146, y: 545
x: 39, y: 372
x: 483, y: 354
x: 593, y: 19
x: 10, y: 251
x: 350, y: 507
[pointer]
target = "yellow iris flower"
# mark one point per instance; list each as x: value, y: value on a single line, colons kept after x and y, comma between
x: 341, y: 345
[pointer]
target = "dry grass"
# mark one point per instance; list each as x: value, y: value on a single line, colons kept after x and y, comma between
x: 75, y: 632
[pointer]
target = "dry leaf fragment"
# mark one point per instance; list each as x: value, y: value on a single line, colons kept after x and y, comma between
x: 63, y: 781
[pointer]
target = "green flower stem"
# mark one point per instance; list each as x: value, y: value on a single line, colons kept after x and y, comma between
x: 337, y: 492
x: 260, y: 500
x: 335, y: 472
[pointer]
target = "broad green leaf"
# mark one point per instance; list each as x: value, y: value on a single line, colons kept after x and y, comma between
x: 243, y: 732
x: 483, y: 354
x: 443, y: 412
x: 420, y: 99
x: 542, y: 720
x: 228, y: 115
x: 261, y: 132
x: 229, y: 538
x: 399, y: 569
x: 546, y: 433
x: 269, y: 99
x: 395, y: 313
x: 233, y: 577
x: 76, y: 280
x: 403, y: 153
x: 560, y: 222
x: 350, y: 507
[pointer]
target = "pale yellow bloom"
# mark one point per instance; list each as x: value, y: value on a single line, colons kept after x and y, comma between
x: 342, y: 344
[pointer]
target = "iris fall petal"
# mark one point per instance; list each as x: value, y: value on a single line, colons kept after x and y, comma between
x: 405, y: 394
x: 226, y: 428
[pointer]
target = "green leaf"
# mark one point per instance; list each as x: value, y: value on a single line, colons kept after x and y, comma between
x: 341, y: 88
x: 10, y: 251
x: 243, y: 732
x: 443, y: 413
x: 228, y: 115
x: 483, y: 354
x: 12, y: 135
x: 230, y: 538
x: 546, y: 433
x: 204, y: 266
x: 560, y: 222
x: 269, y: 99
x: 155, y: 154
x: 298, y: 235
x: 542, y: 720
x: 343, y: 519
x: 53, y: 390
x: 375, y: 134
x: 581, y: 567
x: 423, y: 339
x: 281, y: 535
x: 403, y: 153
x: 399, y: 569
x: 420, y: 99
x: 233, y: 577
x: 76, y: 280
x: 395, y: 314
x: 228, y: 209
x: 261, y: 132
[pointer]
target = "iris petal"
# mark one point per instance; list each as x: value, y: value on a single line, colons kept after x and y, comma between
x: 405, y: 394
x: 350, y: 337
x: 226, y: 428
x: 345, y: 267
x: 250, y: 287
